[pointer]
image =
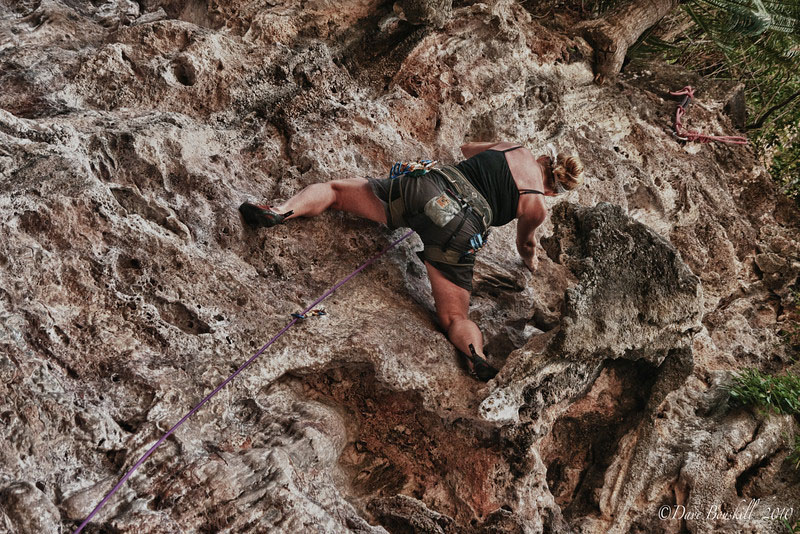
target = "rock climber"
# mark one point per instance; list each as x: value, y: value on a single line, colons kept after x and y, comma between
x: 451, y: 208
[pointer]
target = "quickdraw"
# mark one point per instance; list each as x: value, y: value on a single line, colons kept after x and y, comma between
x: 312, y: 313
x: 412, y: 168
x: 476, y: 243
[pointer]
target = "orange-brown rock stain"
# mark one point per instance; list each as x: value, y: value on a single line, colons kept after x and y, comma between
x: 396, y: 447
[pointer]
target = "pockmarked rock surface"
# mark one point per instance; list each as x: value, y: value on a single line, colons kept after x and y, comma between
x: 129, y: 288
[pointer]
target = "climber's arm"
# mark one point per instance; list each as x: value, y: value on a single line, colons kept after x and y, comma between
x: 526, y: 236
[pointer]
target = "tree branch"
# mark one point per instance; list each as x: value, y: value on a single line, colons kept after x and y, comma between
x: 763, y: 118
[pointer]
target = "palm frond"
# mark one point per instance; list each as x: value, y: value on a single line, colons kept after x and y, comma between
x: 754, y: 17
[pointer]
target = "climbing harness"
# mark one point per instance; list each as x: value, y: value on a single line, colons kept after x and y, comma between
x: 312, y: 313
x: 308, y: 311
x: 688, y: 135
x: 467, y: 192
x: 460, y: 196
x: 471, y: 201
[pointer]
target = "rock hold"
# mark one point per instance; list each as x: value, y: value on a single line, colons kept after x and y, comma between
x: 635, y: 297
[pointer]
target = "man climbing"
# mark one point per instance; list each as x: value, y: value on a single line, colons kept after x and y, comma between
x: 451, y: 208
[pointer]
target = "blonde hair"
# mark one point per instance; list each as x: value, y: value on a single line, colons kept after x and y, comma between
x: 567, y: 172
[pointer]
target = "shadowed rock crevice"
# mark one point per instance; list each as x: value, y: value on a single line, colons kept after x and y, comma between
x: 177, y: 314
x: 583, y: 441
x: 374, y: 50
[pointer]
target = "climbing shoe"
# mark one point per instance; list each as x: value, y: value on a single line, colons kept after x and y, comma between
x: 481, y: 369
x: 261, y: 216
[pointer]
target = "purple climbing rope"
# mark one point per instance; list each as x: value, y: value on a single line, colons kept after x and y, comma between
x: 222, y: 385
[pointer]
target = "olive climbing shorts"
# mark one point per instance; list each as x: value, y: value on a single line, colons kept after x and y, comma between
x: 417, y: 191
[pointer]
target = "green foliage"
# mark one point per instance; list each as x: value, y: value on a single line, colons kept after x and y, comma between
x: 792, y: 528
x: 794, y: 457
x: 780, y: 394
x: 754, y: 17
x: 782, y: 148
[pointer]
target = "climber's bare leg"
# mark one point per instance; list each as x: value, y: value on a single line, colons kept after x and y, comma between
x: 353, y: 195
x: 452, y: 309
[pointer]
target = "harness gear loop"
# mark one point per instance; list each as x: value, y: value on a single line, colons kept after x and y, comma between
x: 414, y: 168
x: 689, y: 135
x: 476, y: 243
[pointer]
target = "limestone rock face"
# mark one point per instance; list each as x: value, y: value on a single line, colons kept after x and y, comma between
x: 28, y: 509
x: 129, y: 288
x: 634, y: 294
x: 635, y: 299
